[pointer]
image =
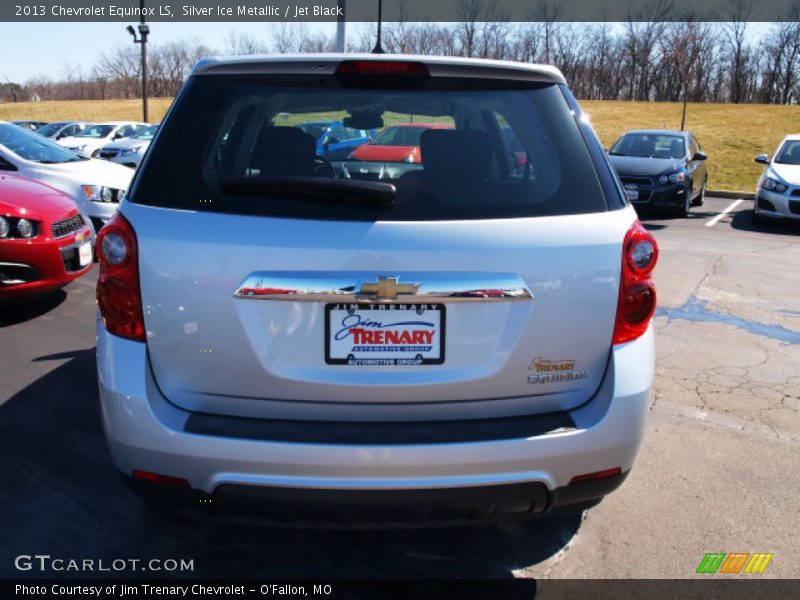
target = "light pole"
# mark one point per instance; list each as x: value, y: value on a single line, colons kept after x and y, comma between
x: 144, y: 31
x: 341, y: 29
x: 378, y: 49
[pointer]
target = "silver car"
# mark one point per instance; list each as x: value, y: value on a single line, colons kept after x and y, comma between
x: 778, y: 189
x: 93, y: 137
x: 285, y: 337
x: 62, y: 129
x: 128, y: 152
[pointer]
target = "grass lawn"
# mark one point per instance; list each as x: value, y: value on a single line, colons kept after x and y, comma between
x: 730, y: 134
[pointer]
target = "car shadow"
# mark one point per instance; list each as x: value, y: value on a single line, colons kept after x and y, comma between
x: 698, y: 213
x: 62, y: 496
x: 653, y: 226
x: 743, y: 220
x: 20, y: 311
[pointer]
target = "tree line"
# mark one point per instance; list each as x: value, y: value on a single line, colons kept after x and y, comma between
x: 654, y: 59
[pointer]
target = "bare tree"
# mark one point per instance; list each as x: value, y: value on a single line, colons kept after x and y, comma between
x: 735, y: 32
x: 238, y: 43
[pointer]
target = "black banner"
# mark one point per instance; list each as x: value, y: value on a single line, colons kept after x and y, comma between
x: 396, y: 10
x: 733, y: 588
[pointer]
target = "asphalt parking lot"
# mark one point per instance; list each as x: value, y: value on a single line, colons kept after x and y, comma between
x: 717, y: 471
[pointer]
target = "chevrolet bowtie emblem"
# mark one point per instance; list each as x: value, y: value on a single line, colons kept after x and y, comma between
x: 387, y: 288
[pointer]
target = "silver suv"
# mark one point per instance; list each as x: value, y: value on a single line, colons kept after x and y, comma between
x: 457, y: 338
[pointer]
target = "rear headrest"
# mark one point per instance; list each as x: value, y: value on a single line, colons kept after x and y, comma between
x: 457, y: 153
x: 284, y: 151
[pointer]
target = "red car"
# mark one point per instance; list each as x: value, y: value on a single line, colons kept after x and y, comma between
x: 398, y: 143
x: 44, y: 241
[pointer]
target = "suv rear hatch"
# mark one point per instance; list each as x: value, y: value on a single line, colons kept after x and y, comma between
x: 481, y: 282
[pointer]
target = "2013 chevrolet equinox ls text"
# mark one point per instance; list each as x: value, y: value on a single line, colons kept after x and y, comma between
x: 293, y: 338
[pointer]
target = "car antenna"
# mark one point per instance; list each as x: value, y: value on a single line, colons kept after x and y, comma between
x: 378, y: 49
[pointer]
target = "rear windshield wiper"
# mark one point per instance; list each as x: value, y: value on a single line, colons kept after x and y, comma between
x: 375, y: 193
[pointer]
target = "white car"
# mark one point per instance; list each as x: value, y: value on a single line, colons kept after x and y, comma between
x: 460, y: 339
x: 778, y: 189
x: 62, y: 129
x: 93, y: 137
x: 96, y: 185
x: 129, y: 152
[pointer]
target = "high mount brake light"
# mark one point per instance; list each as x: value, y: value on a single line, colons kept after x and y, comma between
x: 118, y: 296
x: 397, y: 68
x: 637, y: 292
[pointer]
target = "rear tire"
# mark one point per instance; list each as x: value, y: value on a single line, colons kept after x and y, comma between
x: 701, y: 196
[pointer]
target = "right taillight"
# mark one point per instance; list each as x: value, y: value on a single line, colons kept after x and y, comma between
x: 118, y: 295
x: 637, y: 292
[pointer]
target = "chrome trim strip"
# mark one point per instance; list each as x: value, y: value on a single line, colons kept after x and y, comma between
x: 353, y: 286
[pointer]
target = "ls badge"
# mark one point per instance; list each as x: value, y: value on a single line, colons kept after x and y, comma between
x: 551, y: 371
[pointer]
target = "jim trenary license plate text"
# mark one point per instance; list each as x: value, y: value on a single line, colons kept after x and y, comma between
x: 384, y: 334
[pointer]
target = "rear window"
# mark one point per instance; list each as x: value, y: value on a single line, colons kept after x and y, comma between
x: 474, y: 152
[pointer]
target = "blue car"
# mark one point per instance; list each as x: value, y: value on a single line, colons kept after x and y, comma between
x: 334, y: 140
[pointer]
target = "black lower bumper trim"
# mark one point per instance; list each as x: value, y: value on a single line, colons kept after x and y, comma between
x: 379, y: 433
x: 371, y: 508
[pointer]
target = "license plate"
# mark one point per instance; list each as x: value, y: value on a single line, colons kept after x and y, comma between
x: 85, y: 254
x: 384, y: 334
x: 632, y: 194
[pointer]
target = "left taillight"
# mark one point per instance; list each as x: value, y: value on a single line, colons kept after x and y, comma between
x: 637, y: 292
x: 118, y: 296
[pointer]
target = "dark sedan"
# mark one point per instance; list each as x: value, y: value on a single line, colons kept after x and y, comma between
x: 661, y: 168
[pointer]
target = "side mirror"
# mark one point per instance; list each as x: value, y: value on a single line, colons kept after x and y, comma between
x: 762, y: 159
x: 700, y: 156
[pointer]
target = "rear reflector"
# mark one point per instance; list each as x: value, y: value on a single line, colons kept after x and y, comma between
x: 399, y: 68
x: 165, y: 479
x: 596, y: 475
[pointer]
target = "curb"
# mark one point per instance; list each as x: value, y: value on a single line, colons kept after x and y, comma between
x: 734, y: 195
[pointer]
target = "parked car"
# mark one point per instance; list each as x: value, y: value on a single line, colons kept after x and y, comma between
x: 457, y: 341
x: 334, y: 140
x: 96, y: 186
x: 44, y: 241
x: 398, y: 143
x: 661, y: 168
x: 30, y: 125
x: 778, y: 189
x: 129, y: 152
x: 61, y: 129
x: 91, y: 139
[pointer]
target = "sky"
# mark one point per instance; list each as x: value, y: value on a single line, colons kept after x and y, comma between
x: 33, y: 49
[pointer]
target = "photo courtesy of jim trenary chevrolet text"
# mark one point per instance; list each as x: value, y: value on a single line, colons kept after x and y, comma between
x: 399, y: 298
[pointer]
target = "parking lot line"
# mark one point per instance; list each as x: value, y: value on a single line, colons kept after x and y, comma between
x: 716, y: 219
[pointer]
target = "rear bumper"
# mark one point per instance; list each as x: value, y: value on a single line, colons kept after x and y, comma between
x: 519, y: 476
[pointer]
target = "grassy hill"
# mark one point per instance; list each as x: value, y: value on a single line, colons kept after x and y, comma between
x: 731, y: 134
